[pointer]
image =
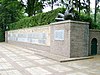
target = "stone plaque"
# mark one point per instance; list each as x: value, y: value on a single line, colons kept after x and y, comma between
x: 59, y: 35
x: 35, y: 38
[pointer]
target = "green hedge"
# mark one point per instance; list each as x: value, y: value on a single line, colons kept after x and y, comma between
x: 44, y: 19
x: 40, y: 19
x: 2, y: 35
x: 86, y: 18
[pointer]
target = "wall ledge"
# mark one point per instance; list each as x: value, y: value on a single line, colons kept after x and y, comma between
x: 69, y: 21
x: 94, y: 30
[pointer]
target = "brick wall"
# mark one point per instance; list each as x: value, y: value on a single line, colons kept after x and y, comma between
x: 94, y: 34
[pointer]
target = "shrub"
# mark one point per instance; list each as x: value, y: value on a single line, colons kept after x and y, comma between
x: 39, y: 19
x: 45, y: 19
x: 86, y: 18
x: 2, y: 35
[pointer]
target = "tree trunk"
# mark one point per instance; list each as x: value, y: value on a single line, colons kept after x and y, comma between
x: 95, y: 11
x: 52, y: 4
x: 88, y: 10
x: 79, y: 7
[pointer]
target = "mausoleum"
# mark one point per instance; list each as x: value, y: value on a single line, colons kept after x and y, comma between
x: 59, y: 40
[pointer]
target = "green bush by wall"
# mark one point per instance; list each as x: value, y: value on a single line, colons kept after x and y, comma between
x: 44, y: 19
x: 39, y: 19
x: 1, y: 35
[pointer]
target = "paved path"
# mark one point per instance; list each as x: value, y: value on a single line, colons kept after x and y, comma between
x: 18, y: 61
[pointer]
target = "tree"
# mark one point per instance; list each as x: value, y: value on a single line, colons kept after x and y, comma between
x: 98, y: 20
x: 33, y: 7
x: 10, y: 11
x: 96, y: 3
x: 52, y: 4
x: 30, y: 7
x: 78, y: 5
x: 88, y: 7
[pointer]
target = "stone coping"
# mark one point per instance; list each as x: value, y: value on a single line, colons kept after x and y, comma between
x: 75, y: 59
x: 95, y: 30
x: 30, y: 27
x: 69, y: 21
x: 55, y: 23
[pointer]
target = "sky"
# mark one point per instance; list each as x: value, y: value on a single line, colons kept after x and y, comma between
x: 49, y: 8
x: 92, y: 6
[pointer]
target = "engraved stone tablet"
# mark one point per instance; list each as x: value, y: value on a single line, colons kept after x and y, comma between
x: 59, y: 35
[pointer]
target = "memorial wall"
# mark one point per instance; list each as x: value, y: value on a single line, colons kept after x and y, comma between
x: 36, y: 35
x: 58, y: 40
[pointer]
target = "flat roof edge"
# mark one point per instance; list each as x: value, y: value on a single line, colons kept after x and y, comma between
x: 69, y: 21
x: 95, y: 30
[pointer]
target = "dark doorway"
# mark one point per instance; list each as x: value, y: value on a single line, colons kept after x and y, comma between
x: 94, y: 46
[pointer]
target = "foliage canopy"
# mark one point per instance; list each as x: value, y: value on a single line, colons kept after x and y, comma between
x: 43, y: 19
